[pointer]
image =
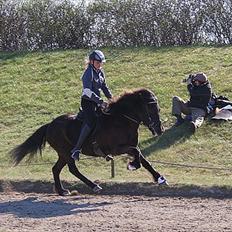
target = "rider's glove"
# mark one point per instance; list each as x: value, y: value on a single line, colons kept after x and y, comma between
x: 104, y: 105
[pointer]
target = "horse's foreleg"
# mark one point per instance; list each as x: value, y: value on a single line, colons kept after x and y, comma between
x: 73, y: 169
x: 56, y: 175
x: 157, y: 177
x: 147, y: 165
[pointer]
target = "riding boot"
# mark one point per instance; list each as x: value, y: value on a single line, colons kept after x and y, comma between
x: 83, y: 135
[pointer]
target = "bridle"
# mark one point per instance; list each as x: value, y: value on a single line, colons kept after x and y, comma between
x: 148, y: 122
x: 132, y: 119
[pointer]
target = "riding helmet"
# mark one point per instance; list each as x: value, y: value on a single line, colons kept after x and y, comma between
x: 97, y: 55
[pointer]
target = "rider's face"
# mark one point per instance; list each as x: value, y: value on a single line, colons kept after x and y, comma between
x: 197, y: 83
x: 97, y: 64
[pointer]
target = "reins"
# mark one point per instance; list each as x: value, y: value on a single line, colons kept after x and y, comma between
x: 124, y: 115
x: 149, y: 124
x: 137, y: 122
x: 131, y: 119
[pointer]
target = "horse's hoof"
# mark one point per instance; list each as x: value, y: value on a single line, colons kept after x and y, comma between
x: 68, y: 193
x: 65, y: 192
x: 62, y: 192
x: 97, y: 188
x: 162, y: 181
x: 133, y: 166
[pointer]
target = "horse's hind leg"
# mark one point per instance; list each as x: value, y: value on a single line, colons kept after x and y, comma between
x: 73, y: 169
x: 157, y: 177
x: 136, y: 153
x: 56, y: 175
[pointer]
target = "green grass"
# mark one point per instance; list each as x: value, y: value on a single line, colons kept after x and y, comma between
x: 37, y: 87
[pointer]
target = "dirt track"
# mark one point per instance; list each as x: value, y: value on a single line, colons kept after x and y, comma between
x: 142, y: 209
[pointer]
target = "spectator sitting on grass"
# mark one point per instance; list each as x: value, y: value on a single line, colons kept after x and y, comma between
x: 195, y: 108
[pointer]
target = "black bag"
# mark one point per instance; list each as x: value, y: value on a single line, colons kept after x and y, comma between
x: 219, y: 101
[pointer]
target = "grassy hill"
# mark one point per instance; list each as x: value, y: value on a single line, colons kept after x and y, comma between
x: 37, y: 87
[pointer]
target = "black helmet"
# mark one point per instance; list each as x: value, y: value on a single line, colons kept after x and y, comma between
x: 201, y: 77
x: 97, y: 55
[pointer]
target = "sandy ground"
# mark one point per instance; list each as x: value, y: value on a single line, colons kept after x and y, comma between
x: 143, y: 209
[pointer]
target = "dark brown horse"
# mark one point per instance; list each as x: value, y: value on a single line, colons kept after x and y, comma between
x: 116, y: 133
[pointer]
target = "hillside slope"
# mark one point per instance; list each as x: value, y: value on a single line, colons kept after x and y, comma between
x: 37, y: 87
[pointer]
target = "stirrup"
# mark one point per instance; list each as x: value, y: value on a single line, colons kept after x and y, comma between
x: 76, y: 154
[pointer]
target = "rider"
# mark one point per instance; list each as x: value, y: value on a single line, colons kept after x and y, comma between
x: 93, y: 81
x: 200, y: 93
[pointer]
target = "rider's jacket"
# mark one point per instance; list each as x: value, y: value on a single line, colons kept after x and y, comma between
x: 94, y: 81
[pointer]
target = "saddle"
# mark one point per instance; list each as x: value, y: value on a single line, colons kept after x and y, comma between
x: 81, y: 117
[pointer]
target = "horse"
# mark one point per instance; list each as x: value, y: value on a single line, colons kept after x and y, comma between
x: 115, y: 133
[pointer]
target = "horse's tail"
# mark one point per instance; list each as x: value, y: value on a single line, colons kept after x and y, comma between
x: 31, y: 146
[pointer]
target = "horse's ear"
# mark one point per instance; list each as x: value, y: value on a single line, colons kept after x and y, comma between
x: 140, y: 96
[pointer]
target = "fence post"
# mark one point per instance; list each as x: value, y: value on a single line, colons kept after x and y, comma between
x: 112, y: 168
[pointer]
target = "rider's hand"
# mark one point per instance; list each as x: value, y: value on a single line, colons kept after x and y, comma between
x: 190, y: 79
x: 110, y: 100
x: 104, y: 105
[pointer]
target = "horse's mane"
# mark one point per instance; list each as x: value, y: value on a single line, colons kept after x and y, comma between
x: 126, y: 95
x: 129, y: 97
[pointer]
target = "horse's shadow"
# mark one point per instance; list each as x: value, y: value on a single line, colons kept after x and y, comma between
x: 33, y: 207
x: 170, y: 136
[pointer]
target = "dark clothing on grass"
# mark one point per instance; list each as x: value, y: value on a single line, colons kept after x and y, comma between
x: 199, y: 95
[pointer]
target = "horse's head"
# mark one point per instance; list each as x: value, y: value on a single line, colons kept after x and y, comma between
x: 139, y: 105
x: 149, y: 113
